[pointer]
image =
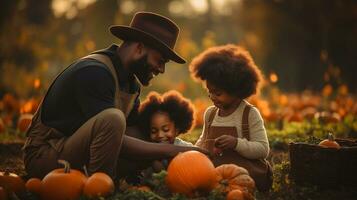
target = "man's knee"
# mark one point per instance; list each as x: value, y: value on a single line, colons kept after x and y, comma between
x: 113, y: 118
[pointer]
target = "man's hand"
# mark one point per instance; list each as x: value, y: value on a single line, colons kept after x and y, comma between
x: 177, y: 149
x: 226, y: 142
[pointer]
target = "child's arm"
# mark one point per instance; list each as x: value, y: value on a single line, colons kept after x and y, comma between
x: 258, y: 145
x: 199, y: 142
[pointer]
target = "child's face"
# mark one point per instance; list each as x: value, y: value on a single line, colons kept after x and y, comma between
x: 162, y: 128
x: 220, y: 98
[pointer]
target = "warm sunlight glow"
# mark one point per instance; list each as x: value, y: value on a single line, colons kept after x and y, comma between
x: 273, y: 77
x: 37, y: 83
x: 200, y: 6
x: 127, y: 6
x: 69, y: 8
x: 176, y: 7
x: 60, y: 7
x: 224, y: 7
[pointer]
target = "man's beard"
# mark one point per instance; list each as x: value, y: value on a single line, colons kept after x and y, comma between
x: 142, y: 70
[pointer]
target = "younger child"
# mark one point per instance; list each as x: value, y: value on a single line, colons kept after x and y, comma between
x: 165, y: 117
x: 233, y: 130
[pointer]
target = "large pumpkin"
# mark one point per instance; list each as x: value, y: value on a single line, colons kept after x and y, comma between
x: 231, y: 177
x: 11, y: 182
x: 191, y: 172
x: 63, y: 184
x: 98, y: 185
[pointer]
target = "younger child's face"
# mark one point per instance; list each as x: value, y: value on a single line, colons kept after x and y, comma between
x: 220, y: 98
x: 162, y: 128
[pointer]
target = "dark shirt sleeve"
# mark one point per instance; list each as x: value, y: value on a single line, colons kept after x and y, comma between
x: 94, y: 89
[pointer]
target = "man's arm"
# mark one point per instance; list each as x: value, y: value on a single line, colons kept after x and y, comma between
x: 133, y: 147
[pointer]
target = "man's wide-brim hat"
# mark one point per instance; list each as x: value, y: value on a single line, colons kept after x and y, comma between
x: 152, y: 29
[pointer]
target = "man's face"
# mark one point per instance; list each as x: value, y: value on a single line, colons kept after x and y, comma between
x: 149, y: 65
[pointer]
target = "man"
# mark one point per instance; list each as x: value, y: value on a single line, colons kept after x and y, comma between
x: 87, y: 109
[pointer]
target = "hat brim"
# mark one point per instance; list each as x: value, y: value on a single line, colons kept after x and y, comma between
x: 130, y: 33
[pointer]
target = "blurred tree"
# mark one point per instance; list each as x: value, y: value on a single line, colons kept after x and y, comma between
x: 297, y: 40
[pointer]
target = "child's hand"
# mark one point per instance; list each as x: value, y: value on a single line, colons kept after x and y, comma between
x: 226, y: 142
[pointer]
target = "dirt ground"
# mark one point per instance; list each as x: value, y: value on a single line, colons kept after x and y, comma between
x: 11, y: 157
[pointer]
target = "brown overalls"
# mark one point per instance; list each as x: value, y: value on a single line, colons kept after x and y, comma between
x: 96, y: 143
x: 259, y: 169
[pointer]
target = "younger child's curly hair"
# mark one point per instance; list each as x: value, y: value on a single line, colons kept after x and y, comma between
x: 230, y: 68
x: 179, y: 109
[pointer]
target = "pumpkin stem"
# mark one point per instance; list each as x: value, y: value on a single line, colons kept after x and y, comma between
x: 67, y: 166
x: 331, y: 137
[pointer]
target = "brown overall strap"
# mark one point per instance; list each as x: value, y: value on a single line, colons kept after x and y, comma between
x: 245, y: 123
x: 210, y: 120
x: 211, y: 116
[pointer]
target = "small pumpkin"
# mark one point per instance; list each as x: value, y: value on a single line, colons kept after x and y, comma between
x: 63, y: 184
x: 231, y: 177
x: 235, y: 194
x: 98, y: 185
x: 329, y: 142
x: 12, y: 182
x: 191, y: 172
x: 34, y: 185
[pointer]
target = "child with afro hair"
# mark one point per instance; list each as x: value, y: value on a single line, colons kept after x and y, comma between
x: 230, y: 76
x: 164, y: 117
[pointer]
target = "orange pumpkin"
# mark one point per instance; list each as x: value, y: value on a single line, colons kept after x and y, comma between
x: 98, y: 185
x: 3, y: 195
x: 191, y: 172
x: 24, y: 122
x: 236, y: 194
x: 63, y: 184
x: 330, y: 142
x: 231, y: 177
x: 34, y: 185
x: 12, y: 182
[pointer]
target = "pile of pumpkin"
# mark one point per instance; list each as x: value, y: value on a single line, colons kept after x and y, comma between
x: 193, y: 174
x: 60, y: 184
x: 190, y: 173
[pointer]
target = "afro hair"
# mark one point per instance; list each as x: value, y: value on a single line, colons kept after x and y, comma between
x: 228, y: 67
x: 179, y: 109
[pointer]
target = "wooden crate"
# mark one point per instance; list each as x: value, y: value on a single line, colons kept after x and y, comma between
x: 326, y: 167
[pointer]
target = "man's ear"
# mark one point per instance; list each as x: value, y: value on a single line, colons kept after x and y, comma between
x: 140, y: 49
